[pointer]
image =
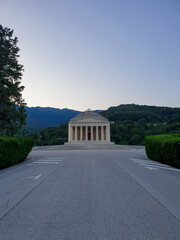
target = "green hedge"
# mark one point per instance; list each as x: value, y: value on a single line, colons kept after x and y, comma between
x: 14, y: 150
x: 164, y: 148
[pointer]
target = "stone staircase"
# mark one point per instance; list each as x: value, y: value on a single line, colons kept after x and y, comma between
x: 88, y: 146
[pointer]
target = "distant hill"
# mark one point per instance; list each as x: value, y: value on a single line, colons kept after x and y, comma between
x: 43, y: 117
x: 130, y: 123
x: 142, y: 113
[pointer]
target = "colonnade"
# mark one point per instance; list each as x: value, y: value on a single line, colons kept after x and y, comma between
x: 89, y: 133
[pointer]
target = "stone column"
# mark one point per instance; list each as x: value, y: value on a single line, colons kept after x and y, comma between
x: 102, y: 133
x: 108, y: 133
x: 81, y: 133
x: 91, y: 133
x: 75, y: 133
x: 70, y: 133
x: 97, y: 138
x: 86, y: 133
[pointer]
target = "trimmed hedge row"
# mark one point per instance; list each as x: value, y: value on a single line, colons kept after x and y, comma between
x: 14, y: 150
x: 164, y: 148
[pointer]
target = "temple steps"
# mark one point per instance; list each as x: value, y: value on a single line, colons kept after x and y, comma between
x: 88, y: 146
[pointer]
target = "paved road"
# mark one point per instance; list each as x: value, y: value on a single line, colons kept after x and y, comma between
x: 89, y: 195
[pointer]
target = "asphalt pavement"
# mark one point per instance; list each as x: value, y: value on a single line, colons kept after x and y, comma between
x: 89, y: 195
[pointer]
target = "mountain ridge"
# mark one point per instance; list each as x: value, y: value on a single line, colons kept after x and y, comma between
x: 42, y: 117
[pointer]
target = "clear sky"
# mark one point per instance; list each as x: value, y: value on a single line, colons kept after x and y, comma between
x: 95, y: 54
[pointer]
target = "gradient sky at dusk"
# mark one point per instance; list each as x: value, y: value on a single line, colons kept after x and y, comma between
x: 95, y: 54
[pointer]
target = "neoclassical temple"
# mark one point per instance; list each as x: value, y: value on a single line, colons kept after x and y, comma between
x: 89, y: 127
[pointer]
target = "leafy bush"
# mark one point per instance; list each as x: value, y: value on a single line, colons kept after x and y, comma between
x: 164, y: 148
x: 14, y: 150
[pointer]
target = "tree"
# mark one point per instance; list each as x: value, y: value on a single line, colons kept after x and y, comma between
x: 12, y: 112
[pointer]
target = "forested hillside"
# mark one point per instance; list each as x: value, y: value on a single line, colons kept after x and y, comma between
x: 129, y: 125
x: 142, y: 113
x: 43, y: 117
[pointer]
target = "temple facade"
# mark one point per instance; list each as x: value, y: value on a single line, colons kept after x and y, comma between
x: 89, y: 127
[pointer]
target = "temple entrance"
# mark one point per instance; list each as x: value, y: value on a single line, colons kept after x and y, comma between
x: 89, y: 133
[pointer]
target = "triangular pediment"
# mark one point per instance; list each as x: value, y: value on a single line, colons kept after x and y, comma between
x: 89, y: 116
x: 89, y: 120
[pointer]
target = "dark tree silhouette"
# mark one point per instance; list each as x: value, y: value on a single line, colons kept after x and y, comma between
x: 12, y: 113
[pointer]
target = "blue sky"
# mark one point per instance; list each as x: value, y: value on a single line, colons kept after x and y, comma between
x: 95, y: 54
